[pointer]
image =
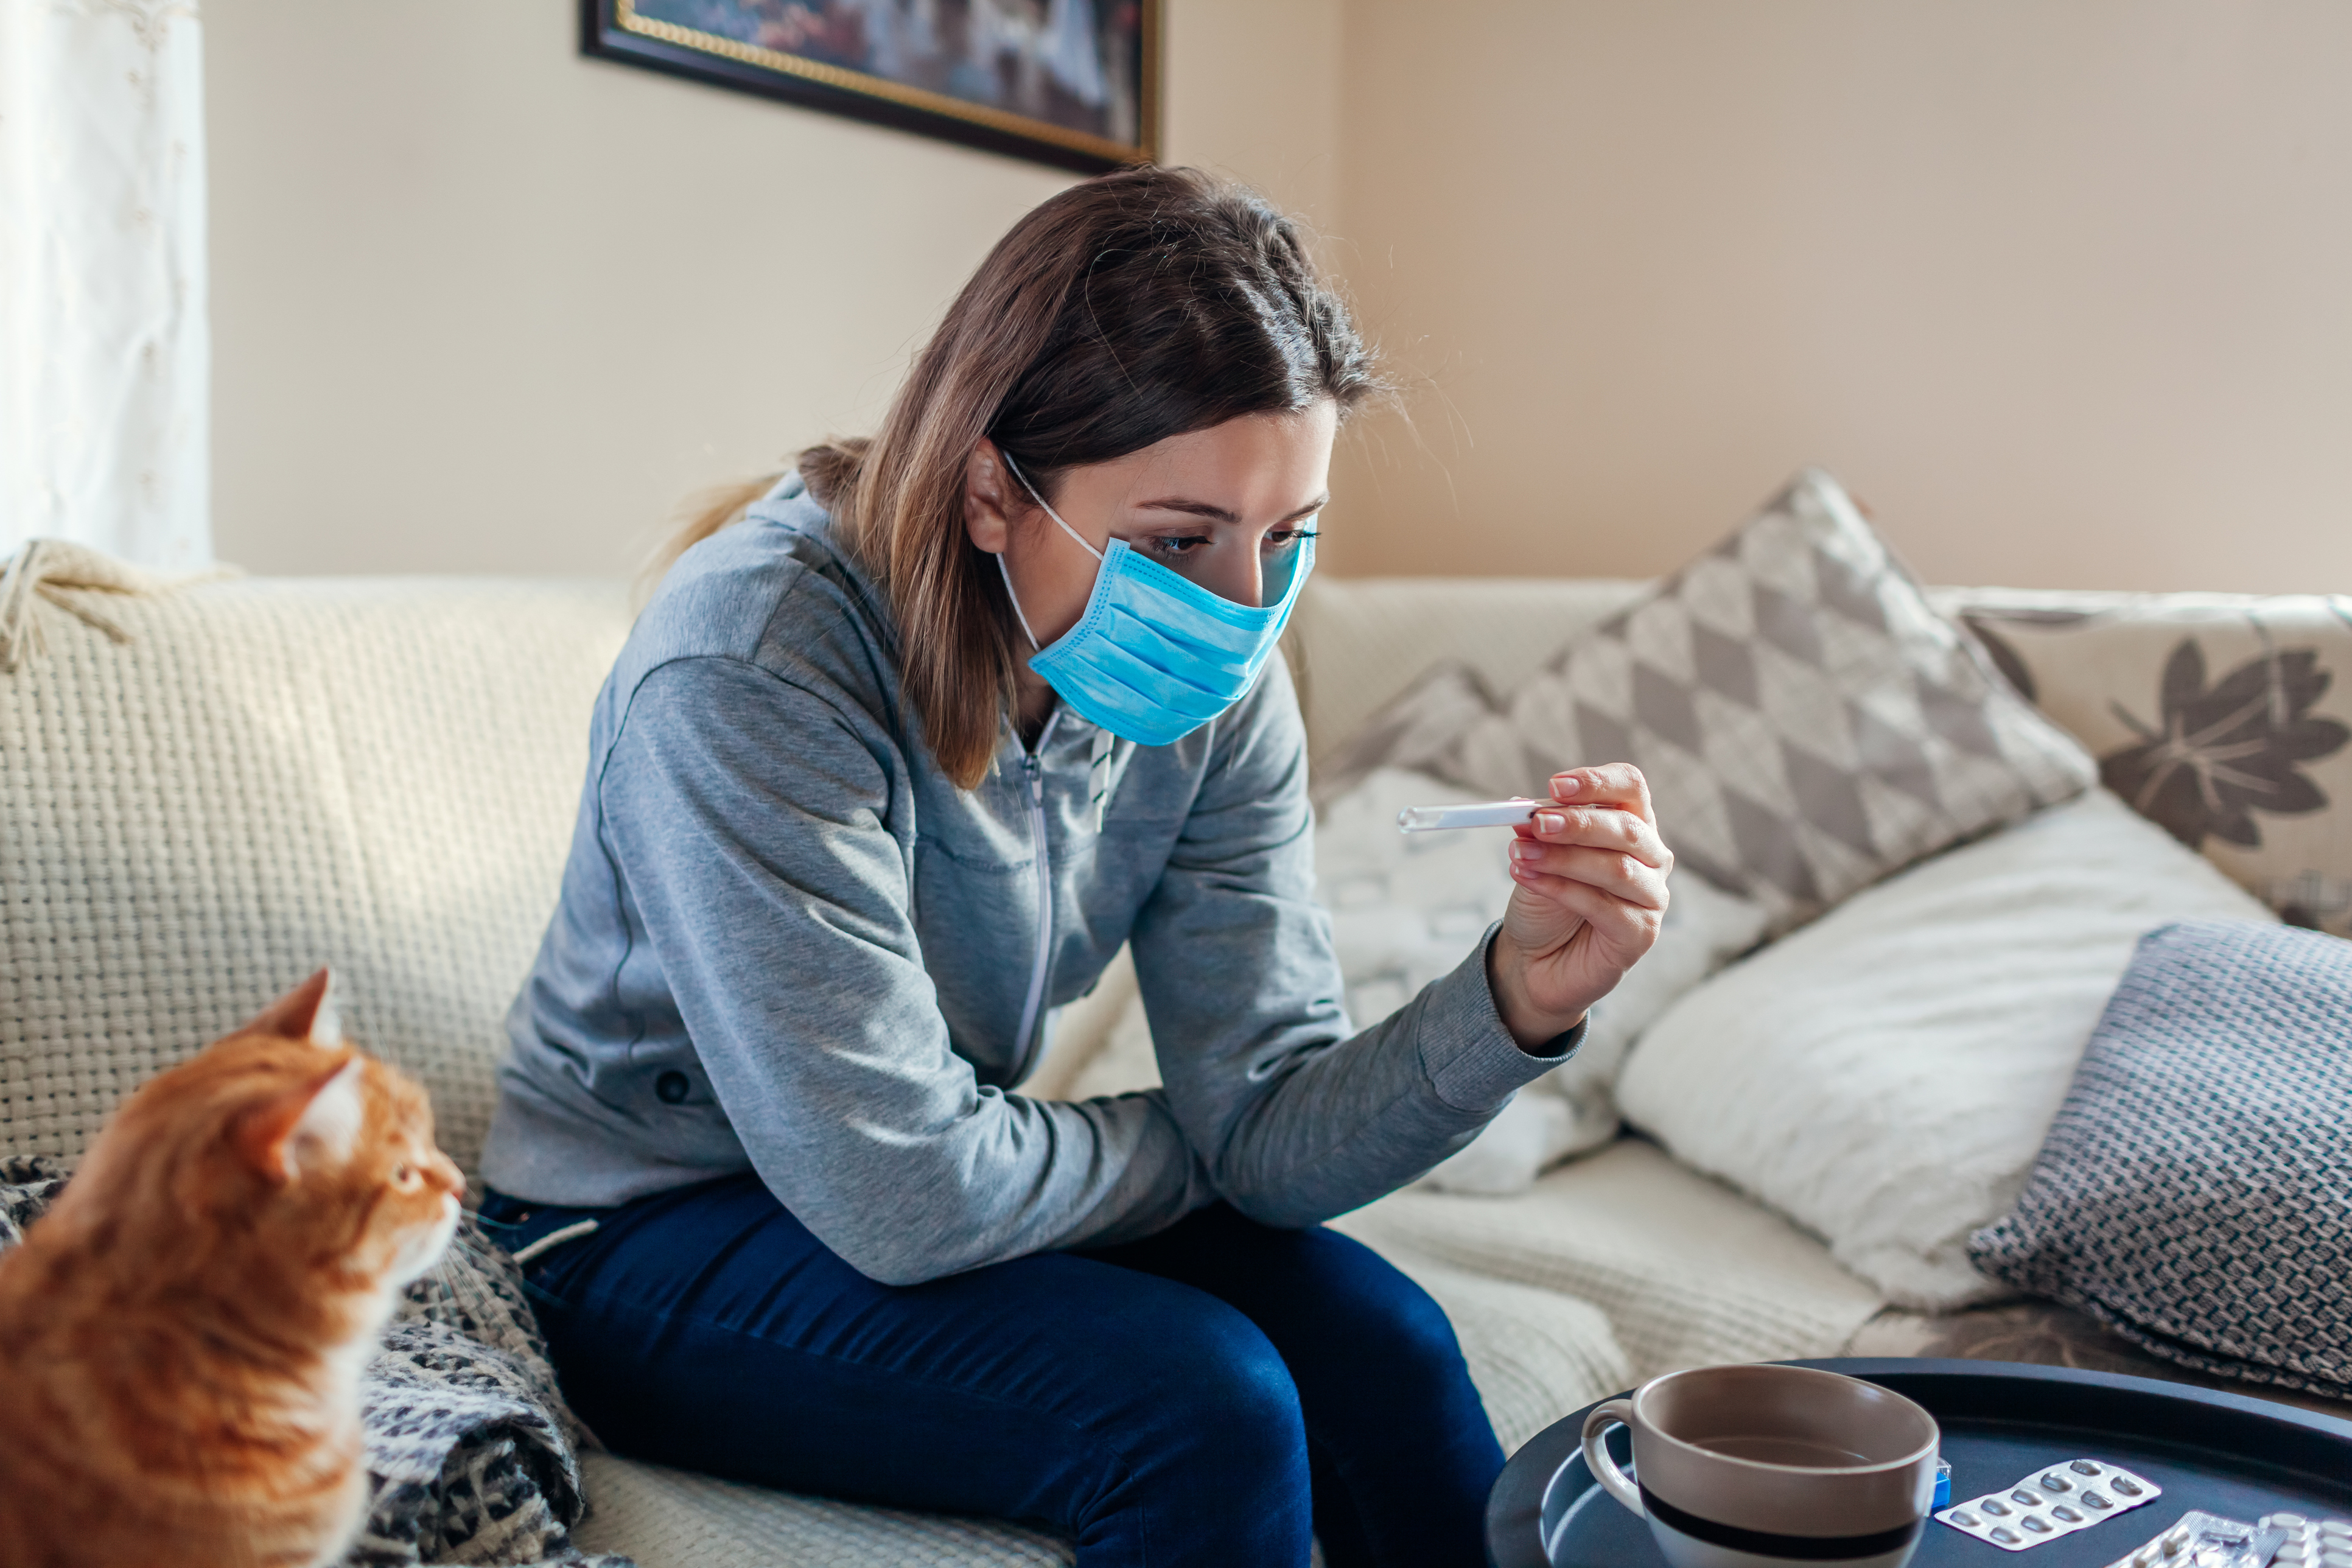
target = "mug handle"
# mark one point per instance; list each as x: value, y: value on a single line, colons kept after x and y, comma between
x: 1614, y: 1481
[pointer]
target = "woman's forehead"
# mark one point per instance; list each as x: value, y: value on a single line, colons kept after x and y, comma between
x: 1251, y: 466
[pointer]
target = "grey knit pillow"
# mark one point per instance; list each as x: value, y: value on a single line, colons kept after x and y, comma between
x: 2195, y: 1192
x: 1807, y: 721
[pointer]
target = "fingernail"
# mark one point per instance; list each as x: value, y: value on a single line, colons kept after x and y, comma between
x: 1521, y: 849
x: 1564, y: 784
x: 1549, y: 821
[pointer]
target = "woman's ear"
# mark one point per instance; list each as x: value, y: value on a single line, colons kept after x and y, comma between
x: 987, y: 498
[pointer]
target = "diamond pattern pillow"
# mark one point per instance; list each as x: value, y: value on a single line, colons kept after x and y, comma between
x: 1807, y: 721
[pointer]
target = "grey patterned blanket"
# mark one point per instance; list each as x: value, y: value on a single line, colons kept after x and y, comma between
x: 473, y: 1457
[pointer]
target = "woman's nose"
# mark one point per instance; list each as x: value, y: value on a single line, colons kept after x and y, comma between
x: 1235, y: 574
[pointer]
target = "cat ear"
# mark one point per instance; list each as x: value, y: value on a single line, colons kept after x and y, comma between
x: 309, y: 1012
x: 312, y: 1124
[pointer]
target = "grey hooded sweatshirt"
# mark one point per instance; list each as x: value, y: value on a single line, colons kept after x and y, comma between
x: 786, y: 942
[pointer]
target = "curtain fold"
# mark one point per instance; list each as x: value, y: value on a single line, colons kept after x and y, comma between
x: 105, y: 354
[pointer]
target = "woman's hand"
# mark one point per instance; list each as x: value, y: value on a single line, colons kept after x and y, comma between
x: 1590, y: 894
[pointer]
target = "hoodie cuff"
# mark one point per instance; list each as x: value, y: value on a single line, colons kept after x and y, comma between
x: 1471, y: 1059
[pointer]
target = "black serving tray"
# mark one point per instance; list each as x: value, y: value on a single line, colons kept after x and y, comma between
x: 2224, y: 1452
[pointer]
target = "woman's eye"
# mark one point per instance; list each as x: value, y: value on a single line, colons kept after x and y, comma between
x: 1281, y: 539
x: 1178, y: 545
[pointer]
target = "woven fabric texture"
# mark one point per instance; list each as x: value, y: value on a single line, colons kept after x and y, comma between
x: 2195, y: 1192
x: 674, y: 1519
x: 1684, y: 1271
x: 1808, y: 722
x: 267, y: 776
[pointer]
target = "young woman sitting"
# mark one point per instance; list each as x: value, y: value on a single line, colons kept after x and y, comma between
x: 887, y: 772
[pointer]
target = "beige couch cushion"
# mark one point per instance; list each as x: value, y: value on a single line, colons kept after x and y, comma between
x: 272, y: 775
x: 1686, y: 1272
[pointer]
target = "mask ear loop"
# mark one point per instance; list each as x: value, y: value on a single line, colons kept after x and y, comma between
x: 1057, y: 516
x: 1017, y: 614
x: 1034, y: 645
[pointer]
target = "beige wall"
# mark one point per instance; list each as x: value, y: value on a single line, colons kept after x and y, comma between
x: 2060, y: 289
x: 2063, y: 291
x: 482, y: 305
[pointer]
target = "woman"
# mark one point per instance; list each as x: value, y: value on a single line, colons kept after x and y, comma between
x: 889, y: 771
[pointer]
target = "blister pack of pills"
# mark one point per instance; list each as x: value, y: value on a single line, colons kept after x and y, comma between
x: 2069, y: 1496
x: 2311, y: 1543
x: 2204, y: 1540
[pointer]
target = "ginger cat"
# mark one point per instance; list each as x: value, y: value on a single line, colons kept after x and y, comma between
x: 182, y: 1334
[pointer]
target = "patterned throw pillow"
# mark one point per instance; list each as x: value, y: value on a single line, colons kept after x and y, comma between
x: 2195, y: 1192
x: 2225, y: 718
x: 1807, y: 721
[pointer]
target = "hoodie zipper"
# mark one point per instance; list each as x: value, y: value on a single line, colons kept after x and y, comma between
x: 1034, y: 769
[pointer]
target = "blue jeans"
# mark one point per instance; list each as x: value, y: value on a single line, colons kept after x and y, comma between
x: 1204, y: 1396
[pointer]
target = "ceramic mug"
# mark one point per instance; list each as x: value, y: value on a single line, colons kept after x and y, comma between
x: 1763, y: 1467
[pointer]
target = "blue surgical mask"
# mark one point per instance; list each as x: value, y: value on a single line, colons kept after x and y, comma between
x: 1156, y: 656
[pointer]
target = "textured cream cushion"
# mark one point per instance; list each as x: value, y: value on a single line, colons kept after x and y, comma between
x: 1884, y: 1075
x: 271, y: 775
x: 1687, y: 1271
x: 676, y: 1519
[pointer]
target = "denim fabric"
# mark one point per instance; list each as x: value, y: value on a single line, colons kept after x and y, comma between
x: 1203, y: 1397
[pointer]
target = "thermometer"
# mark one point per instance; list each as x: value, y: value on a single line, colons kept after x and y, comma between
x: 1481, y: 813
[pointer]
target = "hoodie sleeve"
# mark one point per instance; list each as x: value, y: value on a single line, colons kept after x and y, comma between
x: 776, y: 903
x: 1298, y: 1116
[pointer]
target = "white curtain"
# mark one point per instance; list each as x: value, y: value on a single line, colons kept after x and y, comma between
x: 105, y: 358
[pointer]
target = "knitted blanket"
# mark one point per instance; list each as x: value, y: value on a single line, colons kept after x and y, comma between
x: 472, y: 1455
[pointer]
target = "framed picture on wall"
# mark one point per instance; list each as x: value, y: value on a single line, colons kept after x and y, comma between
x: 1073, y: 83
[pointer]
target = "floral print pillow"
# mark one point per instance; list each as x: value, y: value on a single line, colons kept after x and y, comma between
x: 2226, y: 718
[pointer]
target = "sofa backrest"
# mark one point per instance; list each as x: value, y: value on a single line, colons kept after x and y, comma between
x: 383, y: 774
x: 379, y: 774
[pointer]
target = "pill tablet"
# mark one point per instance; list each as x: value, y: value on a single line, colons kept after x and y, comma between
x: 2031, y: 1500
x: 2055, y: 1482
x: 2097, y: 1500
x: 2085, y: 1468
x: 1965, y: 1520
x: 2040, y: 1526
x: 2332, y: 1558
x: 2126, y: 1487
x: 1996, y: 1508
x: 2005, y: 1535
x: 2070, y: 1515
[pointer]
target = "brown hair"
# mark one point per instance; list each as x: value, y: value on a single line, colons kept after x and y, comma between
x: 1134, y: 307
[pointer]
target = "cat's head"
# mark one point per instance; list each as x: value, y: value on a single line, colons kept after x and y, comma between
x: 282, y: 1146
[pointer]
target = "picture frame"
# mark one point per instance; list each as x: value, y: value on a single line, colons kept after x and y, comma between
x: 1072, y: 83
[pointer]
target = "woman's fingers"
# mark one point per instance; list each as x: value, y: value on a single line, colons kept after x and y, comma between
x: 1619, y: 785
x: 1624, y: 922
x: 1612, y: 872
x: 1600, y: 828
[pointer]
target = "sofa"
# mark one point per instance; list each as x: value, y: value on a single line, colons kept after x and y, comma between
x: 208, y: 789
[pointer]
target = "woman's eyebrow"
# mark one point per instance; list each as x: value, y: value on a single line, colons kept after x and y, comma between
x: 1220, y: 514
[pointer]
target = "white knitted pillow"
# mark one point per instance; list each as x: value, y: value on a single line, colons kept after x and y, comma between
x: 1884, y: 1075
